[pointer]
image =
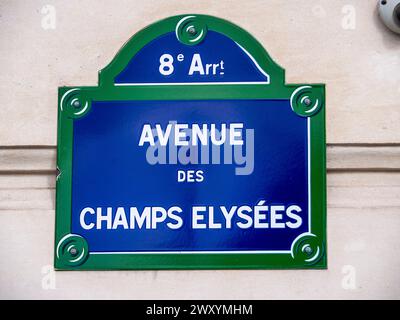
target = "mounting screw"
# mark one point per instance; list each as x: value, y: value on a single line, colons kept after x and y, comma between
x: 192, y: 31
x: 308, y: 250
x: 73, y: 251
x: 76, y: 104
x: 307, y: 101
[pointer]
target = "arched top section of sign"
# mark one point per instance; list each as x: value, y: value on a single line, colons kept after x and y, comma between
x: 192, y: 50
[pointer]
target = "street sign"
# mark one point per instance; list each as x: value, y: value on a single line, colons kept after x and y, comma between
x: 191, y: 153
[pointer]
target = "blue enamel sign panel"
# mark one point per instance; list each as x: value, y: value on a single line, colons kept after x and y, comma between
x: 187, y: 191
x: 191, y: 153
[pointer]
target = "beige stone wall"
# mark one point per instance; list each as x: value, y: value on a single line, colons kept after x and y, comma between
x: 315, y: 41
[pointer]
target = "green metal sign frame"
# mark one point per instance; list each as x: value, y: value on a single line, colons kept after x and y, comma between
x: 307, y: 100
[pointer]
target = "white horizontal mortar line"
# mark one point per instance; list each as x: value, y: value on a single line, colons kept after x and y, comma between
x: 340, y: 157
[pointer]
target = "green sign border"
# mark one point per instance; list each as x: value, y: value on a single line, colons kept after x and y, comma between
x: 307, y: 100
